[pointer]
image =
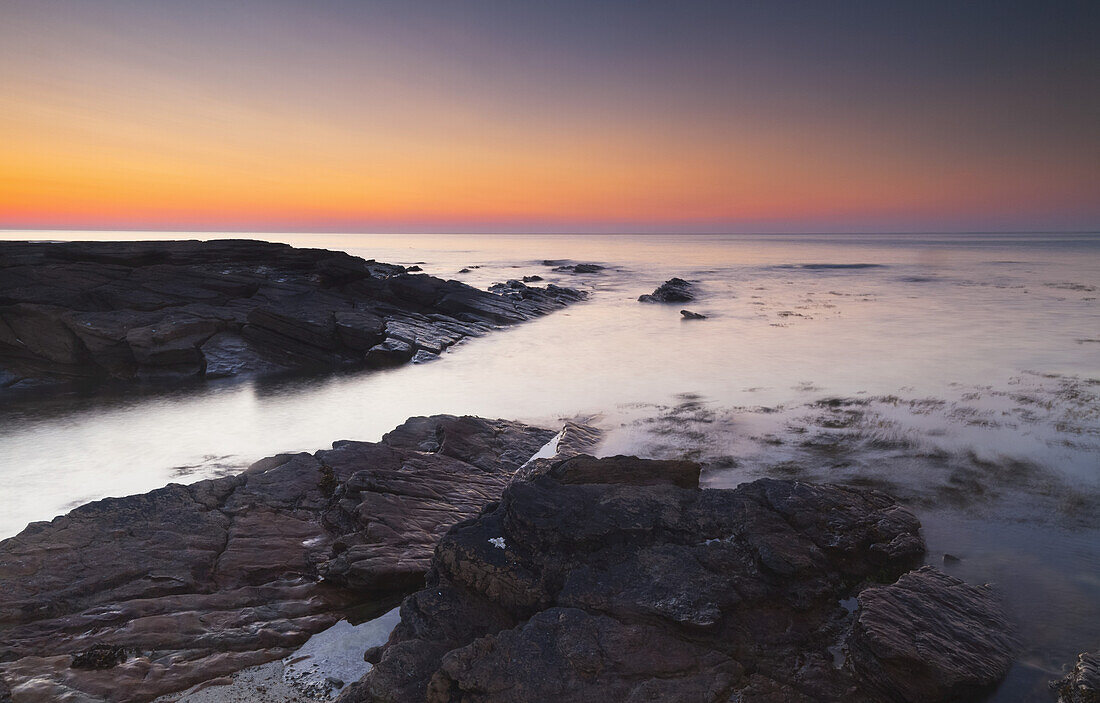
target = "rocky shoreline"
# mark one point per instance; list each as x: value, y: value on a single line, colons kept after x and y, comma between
x: 79, y: 314
x: 620, y: 580
x: 198, y: 581
x: 529, y: 571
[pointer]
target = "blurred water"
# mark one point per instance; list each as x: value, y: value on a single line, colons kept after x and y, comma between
x: 961, y: 372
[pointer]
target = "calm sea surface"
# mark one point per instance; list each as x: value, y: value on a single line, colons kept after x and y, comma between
x: 959, y: 372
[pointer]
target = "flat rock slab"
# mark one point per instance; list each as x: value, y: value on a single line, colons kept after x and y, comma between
x: 595, y: 586
x: 88, y: 313
x: 930, y: 637
x: 195, y: 582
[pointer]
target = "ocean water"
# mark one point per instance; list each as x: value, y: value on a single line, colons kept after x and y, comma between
x: 958, y: 372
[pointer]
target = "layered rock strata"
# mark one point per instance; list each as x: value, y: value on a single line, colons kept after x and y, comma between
x: 86, y: 313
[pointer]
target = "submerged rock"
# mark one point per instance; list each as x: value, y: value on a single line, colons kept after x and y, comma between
x: 85, y: 313
x: 689, y: 315
x: 195, y: 582
x: 1082, y: 684
x: 674, y: 290
x: 620, y: 580
x: 577, y: 268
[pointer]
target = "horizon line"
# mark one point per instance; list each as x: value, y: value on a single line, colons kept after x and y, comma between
x: 557, y: 233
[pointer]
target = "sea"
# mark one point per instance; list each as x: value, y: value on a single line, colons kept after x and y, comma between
x: 958, y: 372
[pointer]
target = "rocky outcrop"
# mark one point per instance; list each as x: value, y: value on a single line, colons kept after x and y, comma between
x: 1082, y: 684
x: 520, y: 292
x: 574, y: 578
x: 906, y: 647
x: 621, y: 580
x: 128, y: 598
x: 564, y: 266
x: 674, y: 290
x: 82, y: 313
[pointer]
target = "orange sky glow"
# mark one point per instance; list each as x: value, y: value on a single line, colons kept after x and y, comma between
x: 315, y: 126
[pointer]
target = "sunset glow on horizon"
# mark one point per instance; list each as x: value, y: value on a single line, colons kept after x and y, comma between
x: 550, y: 116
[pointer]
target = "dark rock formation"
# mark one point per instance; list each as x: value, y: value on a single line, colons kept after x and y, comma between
x: 1082, y: 684
x: 905, y: 648
x: 532, y: 279
x: 620, y: 580
x: 674, y: 290
x: 576, y: 268
x: 689, y: 315
x: 519, y: 292
x: 198, y: 581
x: 84, y: 313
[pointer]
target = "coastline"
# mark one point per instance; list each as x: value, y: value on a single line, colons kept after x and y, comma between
x: 87, y: 314
x: 827, y: 423
x: 871, y: 541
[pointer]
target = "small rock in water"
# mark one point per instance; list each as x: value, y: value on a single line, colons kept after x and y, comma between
x: 689, y: 315
x: 674, y: 290
x: 413, y: 269
x: 950, y: 559
x: 532, y: 279
x: 580, y: 268
x: 464, y: 270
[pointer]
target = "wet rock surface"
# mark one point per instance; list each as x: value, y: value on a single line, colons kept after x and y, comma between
x: 619, y: 580
x: 1082, y: 684
x: 930, y: 637
x: 154, y: 593
x: 674, y: 290
x: 100, y: 656
x: 574, y: 268
x: 86, y: 313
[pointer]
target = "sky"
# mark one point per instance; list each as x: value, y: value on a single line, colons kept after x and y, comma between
x: 550, y: 116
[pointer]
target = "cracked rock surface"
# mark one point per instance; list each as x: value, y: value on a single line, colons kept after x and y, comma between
x: 620, y: 580
x: 188, y: 583
x: 89, y: 313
